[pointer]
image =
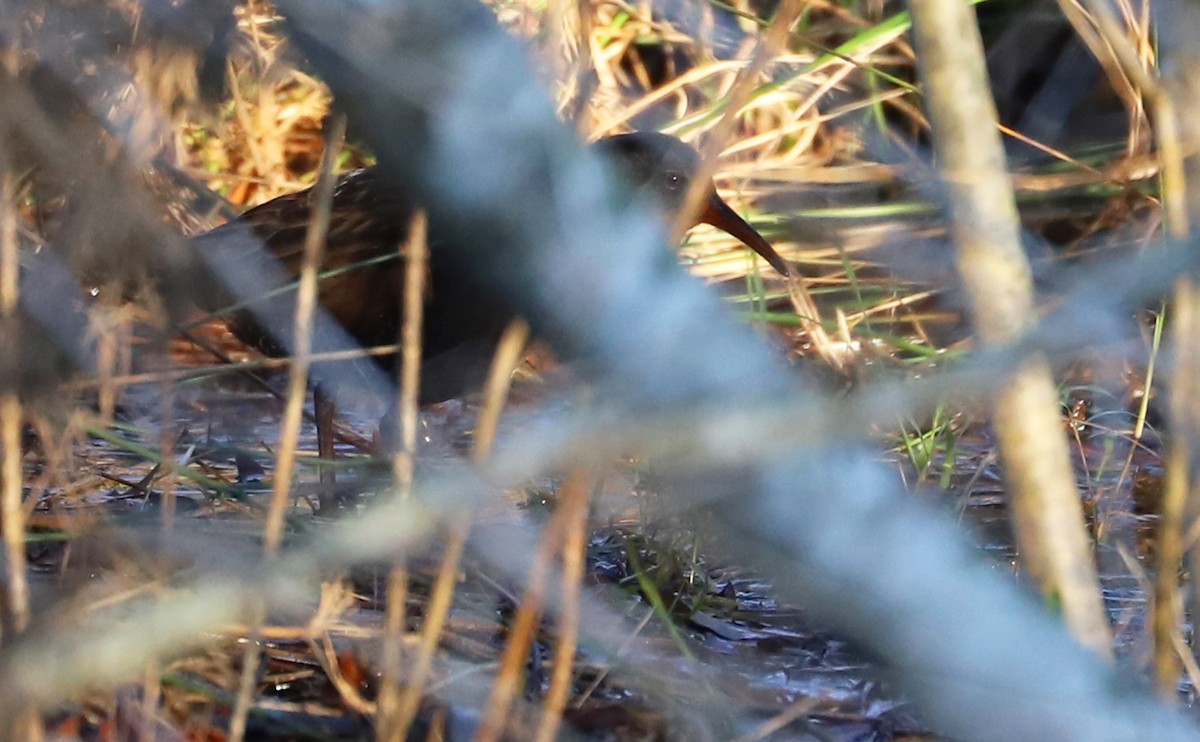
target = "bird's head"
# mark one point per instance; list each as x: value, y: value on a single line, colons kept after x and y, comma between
x: 662, y: 167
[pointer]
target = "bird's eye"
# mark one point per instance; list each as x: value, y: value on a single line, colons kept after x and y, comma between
x: 674, y: 180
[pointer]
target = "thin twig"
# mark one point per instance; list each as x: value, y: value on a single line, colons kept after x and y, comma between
x: 12, y: 515
x: 779, y: 721
x: 306, y: 303
x: 151, y: 696
x: 415, y: 269
x: 392, y: 720
x: 574, y: 501
x: 495, y: 392
x: 521, y: 635
x: 289, y: 433
x: 436, y: 612
x: 387, y: 710
x: 508, y: 354
x: 183, y: 374
x: 166, y: 442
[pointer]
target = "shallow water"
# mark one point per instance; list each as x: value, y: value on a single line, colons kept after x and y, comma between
x: 729, y: 645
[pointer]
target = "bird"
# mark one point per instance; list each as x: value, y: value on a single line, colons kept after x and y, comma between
x: 362, y: 282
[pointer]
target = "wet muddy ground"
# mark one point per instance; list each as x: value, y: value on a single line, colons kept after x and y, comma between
x: 708, y: 646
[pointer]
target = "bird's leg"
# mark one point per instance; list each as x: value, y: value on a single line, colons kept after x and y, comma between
x: 324, y: 409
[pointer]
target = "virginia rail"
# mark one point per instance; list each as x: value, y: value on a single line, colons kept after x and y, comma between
x: 362, y: 284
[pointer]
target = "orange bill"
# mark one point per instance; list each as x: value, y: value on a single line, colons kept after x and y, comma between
x: 717, y: 213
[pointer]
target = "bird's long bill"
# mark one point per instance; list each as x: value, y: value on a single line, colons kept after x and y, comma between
x: 718, y: 214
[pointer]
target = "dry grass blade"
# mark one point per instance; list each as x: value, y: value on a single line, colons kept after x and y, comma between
x: 436, y: 613
x: 779, y: 721
x: 306, y: 302
x: 387, y: 706
x: 415, y: 269
x: 151, y: 696
x: 166, y: 441
x: 263, y: 364
x: 347, y: 691
x: 106, y: 363
x: 393, y: 720
x: 571, y: 26
x: 508, y: 354
x: 575, y: 504
x: 1087, y: 27
x: 809, y: 317
x: 524, y: 626
x: 521, y: 635
x: 495, y: 392
x: 13, y: 517
x: 1167, y: 615
x: 12, y: 514
x: 1167, y: 160
x: 1177, y: 110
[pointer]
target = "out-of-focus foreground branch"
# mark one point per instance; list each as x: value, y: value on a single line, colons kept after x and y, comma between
x: 1047, y: 512
x: 1178, y: 115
